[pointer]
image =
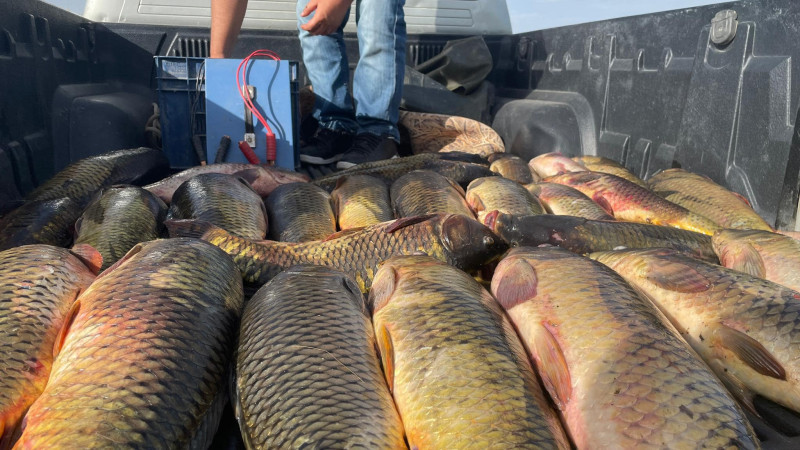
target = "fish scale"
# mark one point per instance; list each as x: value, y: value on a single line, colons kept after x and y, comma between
x: 361, y: 200
x: 582, y: 236
x: 457, y: 370
x: 760, y: 253
x: 459, y: 167
x: 120, y: 218
x: 485, y: 195
x: 746, y: 329
x: 513, y: 168
x: 39, y: 222
x: 81, y: 179
x: 426, y: 192
x: 703, y: 196
x: 307, y: 371
x: 455, y: 239
x: 38, y: 284
x: 564, y: 200
x: 626, y: 380
x: 630, y: 202
x: 300, y: 212
x: 145, y: 355
x: 224, y: 200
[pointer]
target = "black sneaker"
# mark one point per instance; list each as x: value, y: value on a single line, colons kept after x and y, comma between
x: 368, y: 147
x: 325, y: 146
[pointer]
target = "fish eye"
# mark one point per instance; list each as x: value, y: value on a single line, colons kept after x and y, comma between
x: 488, y: 240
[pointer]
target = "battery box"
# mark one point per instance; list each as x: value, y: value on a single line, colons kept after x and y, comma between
x: 274, y: 87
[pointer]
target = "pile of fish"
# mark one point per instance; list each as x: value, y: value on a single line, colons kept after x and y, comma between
x: 442, y: 300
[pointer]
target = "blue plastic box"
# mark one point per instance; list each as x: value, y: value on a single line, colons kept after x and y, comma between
x: 180, y: 83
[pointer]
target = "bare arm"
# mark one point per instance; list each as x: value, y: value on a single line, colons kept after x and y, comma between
x: 226, y: 21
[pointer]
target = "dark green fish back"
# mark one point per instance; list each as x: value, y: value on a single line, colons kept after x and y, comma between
x: 299, y: 212
x: 40, y: 222
x: 119, y: 219
x: 224, y: 200
x: 307, y: 371
x: 83, y: 178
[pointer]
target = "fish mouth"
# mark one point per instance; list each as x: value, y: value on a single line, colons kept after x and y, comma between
x: 490, y: 220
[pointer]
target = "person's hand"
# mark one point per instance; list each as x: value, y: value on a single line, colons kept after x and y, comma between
x: 328, y: 16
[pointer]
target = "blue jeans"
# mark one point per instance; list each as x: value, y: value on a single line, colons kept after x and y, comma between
x: 378, y: 79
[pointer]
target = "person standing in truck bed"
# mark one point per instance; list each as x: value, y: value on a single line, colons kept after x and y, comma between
x: 347, y: 134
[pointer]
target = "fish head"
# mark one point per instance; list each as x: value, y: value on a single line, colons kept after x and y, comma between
x: 550, y: 164
x: 537, y: 230
x: 468, y: 243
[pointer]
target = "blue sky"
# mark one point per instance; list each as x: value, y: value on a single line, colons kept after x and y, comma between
x: 529, y: 15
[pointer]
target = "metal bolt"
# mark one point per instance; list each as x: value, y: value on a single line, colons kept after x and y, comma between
x: 723, y: 27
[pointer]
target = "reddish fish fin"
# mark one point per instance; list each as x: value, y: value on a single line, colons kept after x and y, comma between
x: 386, y: 352
x: 552, y: 365
x: 340, y: 182
x: 89, y: 256
x: 744, y: 258
x: 249, y: 175
x: 603, y: 203
x: 382, y: 288
x: 742, y: 198
x: 476, y: 204
x: 341, y: 233
x: 406, y: 222
x: 64, y: 331
x: 134, y: 250
x: 676, y: 276
x: 516, y: 283
x: 750, y: 351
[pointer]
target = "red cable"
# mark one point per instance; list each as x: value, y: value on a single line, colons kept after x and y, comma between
x: 272, y: 145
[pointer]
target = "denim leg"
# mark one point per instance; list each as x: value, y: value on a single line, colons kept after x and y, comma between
x: 378, y: 80
x: 326, y: 63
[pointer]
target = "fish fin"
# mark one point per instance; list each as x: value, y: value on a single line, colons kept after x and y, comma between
x: 744, y: 258
x: 738, y: 390
x: 248, y: 175
x: 188, y: 228
x: 134, y: 250
x: 382, y: 288
x: 742, y: 198
x: 516, y: 284
x: 476, y: 204
x: 335, y: 201
x: 406, y: 222
x: 750, y: 351
x: 64, y: 331
x: 603, y: 203
x: 456, y: 186
x: 339, y: 182
x: 76, y: 228
x: 552, y: 366
x: 386, y: 352
x: 676, y: 276
x: 342, y: 233
x: 89, y: 256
